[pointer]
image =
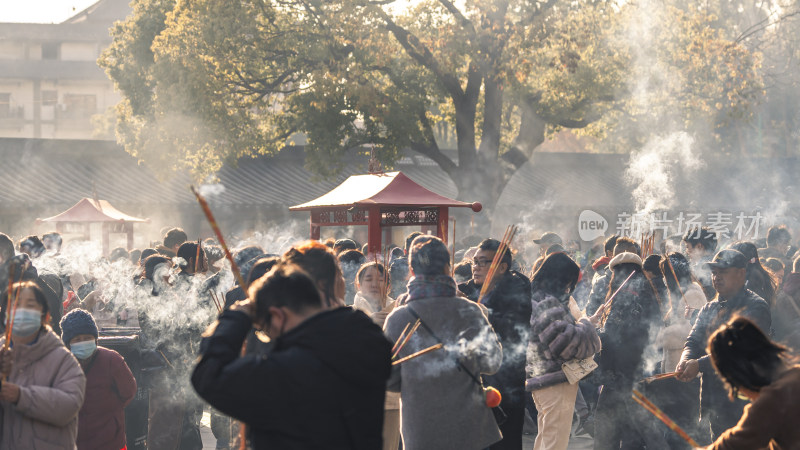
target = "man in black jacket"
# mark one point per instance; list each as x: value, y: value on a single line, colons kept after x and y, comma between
x: 728, y: 274
x: 324, y: 382
x: 509, y: 305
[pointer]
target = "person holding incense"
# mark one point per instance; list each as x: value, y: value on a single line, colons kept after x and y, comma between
x: 557, y: 335
x: 631, y: 316
x: 728, y: 275
x: 110, y: 385
x: 43, y: 387
x: 443, y: 403
x: 753, y: 366
x: 323, y: 383
x: 373, y: 284
x: 509, y: 306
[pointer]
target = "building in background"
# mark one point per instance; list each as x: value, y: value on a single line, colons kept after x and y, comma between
x: 50, y: 83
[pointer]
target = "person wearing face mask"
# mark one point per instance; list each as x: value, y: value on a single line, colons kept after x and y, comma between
x: 44, y: 385
x: 110, y: 385
x: 323, y: 383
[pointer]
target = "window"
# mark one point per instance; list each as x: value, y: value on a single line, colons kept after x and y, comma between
x: 78, y: 106
x: 50, y: 50
x: 49, y: 98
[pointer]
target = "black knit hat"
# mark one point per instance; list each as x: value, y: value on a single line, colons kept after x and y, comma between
x: 77, y: 321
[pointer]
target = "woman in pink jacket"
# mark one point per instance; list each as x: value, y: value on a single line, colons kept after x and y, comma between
x: 44, y: 388
x: 110, y: 385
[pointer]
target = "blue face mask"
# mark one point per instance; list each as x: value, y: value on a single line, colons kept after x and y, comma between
x: 83, y: 350
x: 26, y: 322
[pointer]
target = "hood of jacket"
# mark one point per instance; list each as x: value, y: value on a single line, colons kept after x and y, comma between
x: 347, y: 341
x: 28, y: 354
x: 791, y: 284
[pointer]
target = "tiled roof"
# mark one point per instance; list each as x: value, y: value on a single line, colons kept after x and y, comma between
x: 61, y: 172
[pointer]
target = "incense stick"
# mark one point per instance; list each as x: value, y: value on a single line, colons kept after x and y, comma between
x: 610, y: 300
x: 197, y: 256
x: 654, y: 410
x: 662, y: 376
x: 215, y: 227
x: 405, y: 340
x: 400, y: 338
x: 508, y: 236
x: 419, y: 353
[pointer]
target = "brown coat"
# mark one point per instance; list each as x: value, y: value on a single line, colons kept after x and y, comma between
x: 770, y: 421
x: 51, y: 394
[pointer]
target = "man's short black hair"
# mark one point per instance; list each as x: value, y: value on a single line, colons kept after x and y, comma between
x: 351, y: 257
x: 175, y: 236
x: 33, y: 244
x: 6, y: 248
x: 188, y: 252
x: 118, y: 253
x: 429, y: 256
x: 342, y: 245
x: 703, y: 236
x: 778, y: 235
x: 285, y: 285
x: 52, y: 240
x: 609, y: 244
x: 410, y: 238
x: 626, y: 244
x: 492, y: 245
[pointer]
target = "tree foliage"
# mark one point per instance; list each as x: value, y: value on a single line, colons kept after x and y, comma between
x: 207, y: 81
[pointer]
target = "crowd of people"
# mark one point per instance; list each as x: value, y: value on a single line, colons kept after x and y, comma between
x: 424, y: 347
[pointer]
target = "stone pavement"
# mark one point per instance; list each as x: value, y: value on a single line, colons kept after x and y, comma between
x: 583, y: 442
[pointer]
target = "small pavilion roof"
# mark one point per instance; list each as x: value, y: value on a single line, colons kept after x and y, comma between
x: 389, y: 189
x: 88, y: 210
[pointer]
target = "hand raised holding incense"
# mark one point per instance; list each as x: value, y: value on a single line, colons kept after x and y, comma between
x: 6, y: 361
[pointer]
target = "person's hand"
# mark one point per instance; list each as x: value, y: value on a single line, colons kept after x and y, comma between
x: 687, y: 370
x: 595, y: 318
x: 9, y: 393
x: 6, y: 361
x: 246, y: 306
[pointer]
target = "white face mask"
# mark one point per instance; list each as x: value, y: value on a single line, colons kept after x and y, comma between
x: 83, y: 350
x: 26, y: 322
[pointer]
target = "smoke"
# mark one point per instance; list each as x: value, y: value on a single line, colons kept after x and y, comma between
x: 210, y: 190
x: 653, y: 171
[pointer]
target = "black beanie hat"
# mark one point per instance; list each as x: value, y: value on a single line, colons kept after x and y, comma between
x: 77, y: 321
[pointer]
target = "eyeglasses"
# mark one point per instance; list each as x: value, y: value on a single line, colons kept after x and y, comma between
x: 481, y: 263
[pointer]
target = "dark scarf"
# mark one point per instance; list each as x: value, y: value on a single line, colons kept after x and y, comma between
x: 427, y: 286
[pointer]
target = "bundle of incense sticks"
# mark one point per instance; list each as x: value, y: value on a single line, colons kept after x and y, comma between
x: 11, y: 308
x: 216, y: 300
x: 647, y: 244
x: 419, y: 353
x: 511, y: 231
x: 197, y: 256
x: 403, y: 339
x: 214, y: 227
x: 654, y: 410
x: 610, y: 301
x: 662, y: 376
x: 675, y: 276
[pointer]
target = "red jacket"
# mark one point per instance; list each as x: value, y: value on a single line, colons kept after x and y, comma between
x: 110, y: 386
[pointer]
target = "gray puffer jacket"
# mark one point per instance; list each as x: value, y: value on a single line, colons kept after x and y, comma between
x: 52, y: 387
x: 555, y: 338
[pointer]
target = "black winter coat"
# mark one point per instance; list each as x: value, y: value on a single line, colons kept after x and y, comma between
x: 627, y: 332
x: 715, y: 313
x: 509, y: 305
x: 321, y: 387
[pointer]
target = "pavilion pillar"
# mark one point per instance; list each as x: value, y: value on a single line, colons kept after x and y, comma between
x: 374, y: 230
x: 441, y: 227
x: 315, y: 229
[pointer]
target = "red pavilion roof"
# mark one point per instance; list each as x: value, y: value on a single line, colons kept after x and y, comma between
x: 390, y: 189
x: 87, y: 210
